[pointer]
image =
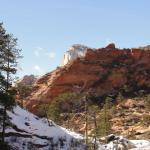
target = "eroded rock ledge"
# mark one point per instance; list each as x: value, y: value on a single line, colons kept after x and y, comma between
x: 104, y: 70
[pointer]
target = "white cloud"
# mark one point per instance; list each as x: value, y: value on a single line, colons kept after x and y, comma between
x: 38, y: 51
x: 40, y: 48
x: 37, y: 68
x: 41, y: 52
x: 51, y: 54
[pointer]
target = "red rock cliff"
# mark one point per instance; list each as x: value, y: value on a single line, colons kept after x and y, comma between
x: 102, y: 70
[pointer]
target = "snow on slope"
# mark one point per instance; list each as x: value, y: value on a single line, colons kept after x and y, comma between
x: 121, y: 143
x: 21, y: 117
x: 30, y: 131
x: 140, y: 143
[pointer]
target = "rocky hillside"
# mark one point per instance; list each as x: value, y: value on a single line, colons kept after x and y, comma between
x: 104, y: 70
x: 129, y: 118
x: 74, y: 52
x: 28, y: 80
x: 145, y: 47
x: 29, y: 132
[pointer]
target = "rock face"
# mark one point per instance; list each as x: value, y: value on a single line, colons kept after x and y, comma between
x: 103, y: 70
x: 28, y: 80
x: 145, y: 47
x: 76, y: 51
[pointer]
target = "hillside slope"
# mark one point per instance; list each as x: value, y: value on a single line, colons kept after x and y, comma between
x: 104, y: 70
x: 28, y: 132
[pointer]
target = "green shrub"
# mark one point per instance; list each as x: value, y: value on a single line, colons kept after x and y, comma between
x: 147, y: 102
x: 146, y: 120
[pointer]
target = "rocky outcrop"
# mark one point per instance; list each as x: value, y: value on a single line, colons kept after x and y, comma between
x: 145, y: 47
x: 74, y: 52
x: 103, y: 70
x: 28, y: 80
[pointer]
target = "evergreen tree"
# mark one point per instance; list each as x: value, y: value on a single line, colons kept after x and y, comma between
x: 94, y: 111
x: 120, y: 97
x: 86, y: 119
x: 147, y: 102
x: 63, y: 106
x: 23, y: 91
x: 104, y: 126
x: 9, y: 54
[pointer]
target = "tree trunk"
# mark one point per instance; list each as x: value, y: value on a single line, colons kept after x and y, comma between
x: 86, y: 122
x: 4, y: 124
x: 5, y: 107
x: 95, y: 126
x: 47, y: 116
x: 22, y: 103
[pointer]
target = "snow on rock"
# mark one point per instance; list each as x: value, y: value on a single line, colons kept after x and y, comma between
x: 142, y: 148
x: 121, y: 143
x: 74, y: 52
x: 29, y: 131
x: 141, y: 144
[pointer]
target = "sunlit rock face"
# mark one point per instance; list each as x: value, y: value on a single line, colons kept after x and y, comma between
x: 74, y: 52
x: 28, y: 80
x: 145, y: 47
x: 104, y: 70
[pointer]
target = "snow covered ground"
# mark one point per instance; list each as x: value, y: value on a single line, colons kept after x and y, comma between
x: 29, y: 131
x: 32, y: 133
x: 121, y: 143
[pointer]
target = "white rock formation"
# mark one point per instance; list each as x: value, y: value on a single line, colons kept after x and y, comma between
x: 74, y: 52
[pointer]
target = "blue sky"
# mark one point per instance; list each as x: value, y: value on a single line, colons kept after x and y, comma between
x: 47, y: 28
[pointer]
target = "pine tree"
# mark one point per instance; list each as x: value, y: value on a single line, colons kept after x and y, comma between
x: 9, y: 53
x: 104, y: 126
x: 54, y: 112
x: 120, y: 97
x: 147, y: 102
x: 86, y: 119
x: 94, y: 111
x: 23, y: 91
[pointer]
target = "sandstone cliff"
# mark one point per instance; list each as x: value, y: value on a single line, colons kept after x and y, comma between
x: 28, y: 80
x: 103, y: 70
x: 74, y: 52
